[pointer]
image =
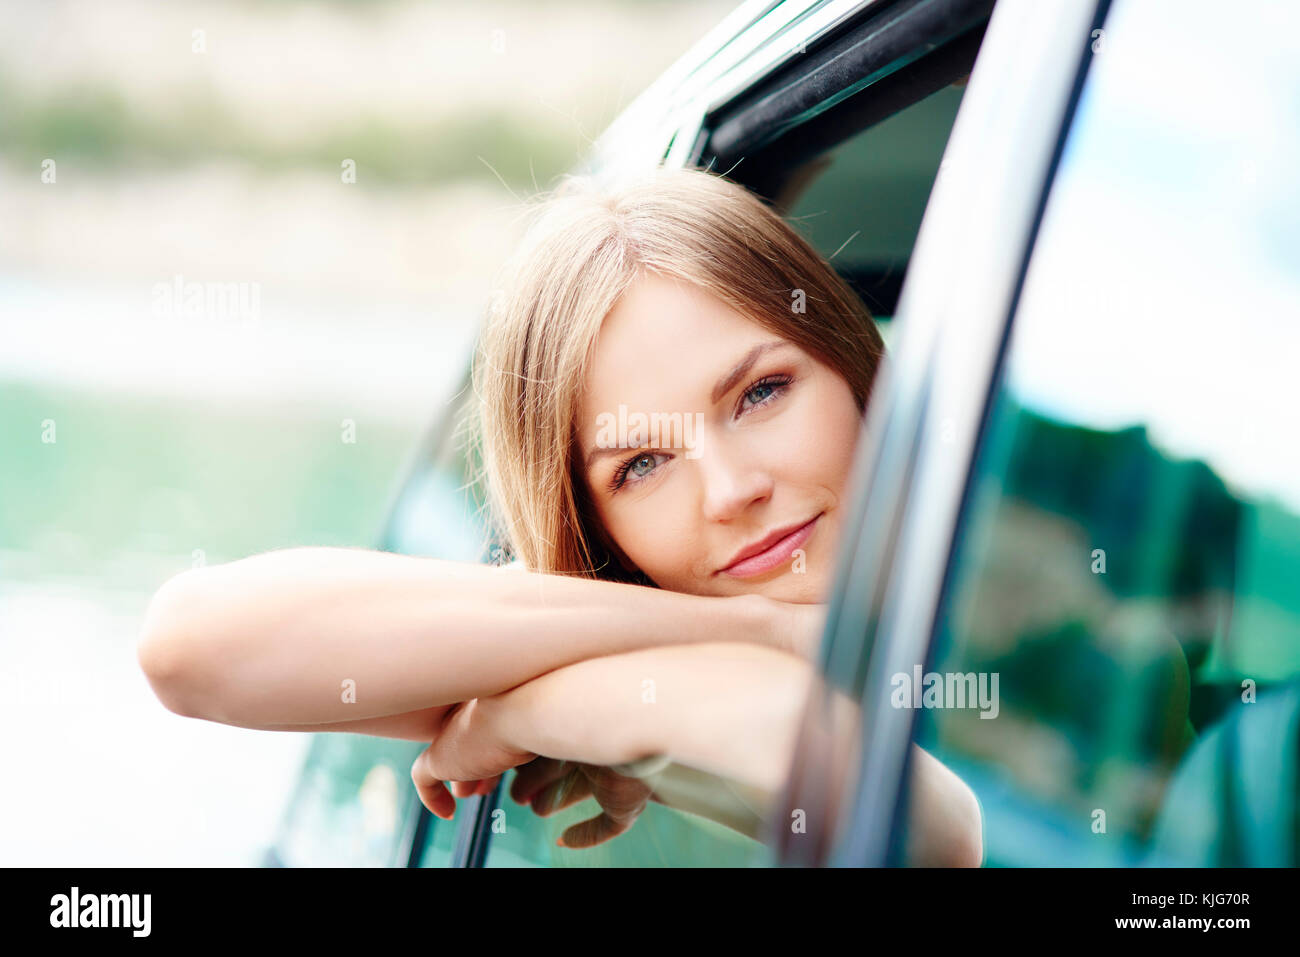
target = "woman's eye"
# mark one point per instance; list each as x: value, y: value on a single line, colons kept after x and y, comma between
x: 642, y: 465
x: 635, y: 469
x: 761, y: 392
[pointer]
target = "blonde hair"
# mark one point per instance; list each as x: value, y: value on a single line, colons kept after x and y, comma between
x: 584, y: 246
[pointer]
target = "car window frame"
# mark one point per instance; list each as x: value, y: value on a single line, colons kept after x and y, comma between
x: 956, y: 308
x: 849, y: 22
x: 896, y: 54
x: 662, y: 124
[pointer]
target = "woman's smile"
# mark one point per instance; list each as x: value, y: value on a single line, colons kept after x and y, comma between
x: 771, y: 551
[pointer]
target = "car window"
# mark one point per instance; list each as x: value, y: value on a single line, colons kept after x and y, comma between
x: 860, y: 205
x: 660, y: 837
x: 1116, y: 666
x: 349, y: 804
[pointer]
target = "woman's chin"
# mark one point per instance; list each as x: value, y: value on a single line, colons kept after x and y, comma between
x: 792, y: 586
x: 804, y: 589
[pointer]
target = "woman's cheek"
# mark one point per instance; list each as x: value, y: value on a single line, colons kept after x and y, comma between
x: 812, y: 443
x: 651, y: 533
x: 832, y: 436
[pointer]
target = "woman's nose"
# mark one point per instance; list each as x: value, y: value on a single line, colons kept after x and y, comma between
x: 731, y: 481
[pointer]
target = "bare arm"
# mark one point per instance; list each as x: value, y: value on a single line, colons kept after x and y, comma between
x: 730, y: 710
x: 727, y: 709
x: 303, y: 637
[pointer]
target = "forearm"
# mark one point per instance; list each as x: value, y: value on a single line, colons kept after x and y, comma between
x: 728, y: 709
x: 733, y: 711
x: 310, y: 636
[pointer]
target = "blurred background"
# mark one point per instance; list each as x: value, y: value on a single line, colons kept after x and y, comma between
x: 243, y: 246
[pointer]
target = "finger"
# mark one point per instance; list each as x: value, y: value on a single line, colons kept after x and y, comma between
x: 488, y: 785
x: 590, y: 833
x: 622, y: 799
x: 532, y: 777
x: 463, y: 789
x: 558, y: 795
x: 432, y: 792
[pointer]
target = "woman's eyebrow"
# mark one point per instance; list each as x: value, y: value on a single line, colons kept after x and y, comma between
x: 598, y: 452
x: 728, y: 381
x: 723, y: 386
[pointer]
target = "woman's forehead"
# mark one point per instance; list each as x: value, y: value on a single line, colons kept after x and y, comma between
x: 661, y: 328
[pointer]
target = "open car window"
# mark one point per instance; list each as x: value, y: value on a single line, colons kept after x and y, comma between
x: 860, y: 205
x: 1116, y: 668
x: 860, y: 202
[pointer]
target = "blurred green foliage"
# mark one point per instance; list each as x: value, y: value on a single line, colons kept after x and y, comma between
x: 98, y: 124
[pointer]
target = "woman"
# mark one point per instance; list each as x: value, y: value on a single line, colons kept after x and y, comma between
x: 671, y: 385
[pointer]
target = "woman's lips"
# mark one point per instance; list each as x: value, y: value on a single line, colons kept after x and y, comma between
x: 777, y: 554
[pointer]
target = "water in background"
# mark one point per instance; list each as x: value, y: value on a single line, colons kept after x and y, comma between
x: 132, y: 491
x: 196, y: 141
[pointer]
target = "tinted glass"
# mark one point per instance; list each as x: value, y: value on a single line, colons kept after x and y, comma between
x: 860, y: 205
x: 1117, y: 667
x: 660, y: 837
x: 349, y: 804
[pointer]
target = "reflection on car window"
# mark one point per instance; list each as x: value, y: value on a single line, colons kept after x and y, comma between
x: 1125, y: 575
x: 350, y: 803
x: 661, y: 836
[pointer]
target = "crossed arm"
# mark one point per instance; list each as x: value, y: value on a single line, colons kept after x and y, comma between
x: 730, y: 710
x: 336, y: 639
x: 340, y: 639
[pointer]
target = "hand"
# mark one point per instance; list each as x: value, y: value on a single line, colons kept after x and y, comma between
x: 469, y: 751
x: 467, y: 747
x: 730, y: 709
x: 548, y: 785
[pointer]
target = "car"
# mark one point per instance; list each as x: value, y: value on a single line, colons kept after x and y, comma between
x: 1071, y: 569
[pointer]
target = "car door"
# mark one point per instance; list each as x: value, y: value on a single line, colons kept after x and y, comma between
x: 1105, y: 620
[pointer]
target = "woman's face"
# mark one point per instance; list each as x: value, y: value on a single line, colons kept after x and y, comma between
x: 728, y: 439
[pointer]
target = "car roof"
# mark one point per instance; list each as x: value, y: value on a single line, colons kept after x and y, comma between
x: 755, y: 39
